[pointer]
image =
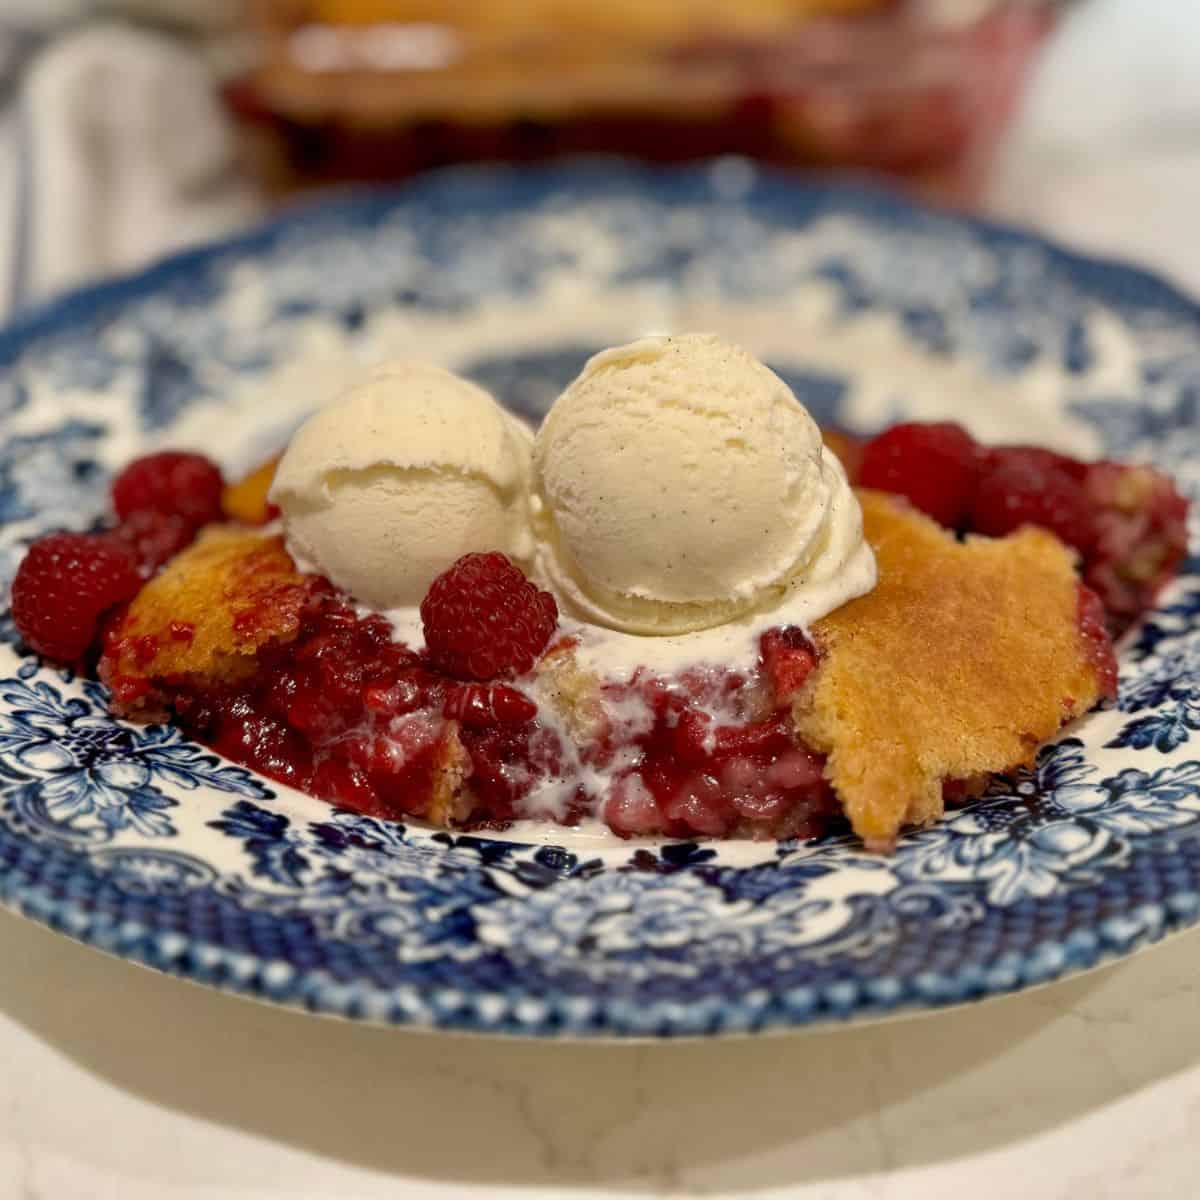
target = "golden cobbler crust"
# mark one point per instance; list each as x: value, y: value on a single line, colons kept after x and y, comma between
x: 964, y: 658
x: 206, y: 615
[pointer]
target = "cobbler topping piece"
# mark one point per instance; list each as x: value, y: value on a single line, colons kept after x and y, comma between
x: 933, y: 465
x: 574, y: 693
x: 238, y: 591
x: 170, y: 483
x: 965, y: 658
x: 65, y: 584
x: 246, y: 499
x: 484, y: 620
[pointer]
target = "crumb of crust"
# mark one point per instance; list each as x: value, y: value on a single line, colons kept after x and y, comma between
x: 571, y: 691
x: 957, y: 664
x: 451, y: 801
x: 233, y: 590
x: 246, y: 500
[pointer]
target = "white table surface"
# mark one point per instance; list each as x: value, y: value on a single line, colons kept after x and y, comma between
x: 118, y: 1083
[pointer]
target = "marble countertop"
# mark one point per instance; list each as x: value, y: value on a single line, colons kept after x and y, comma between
x: 119, y: 1083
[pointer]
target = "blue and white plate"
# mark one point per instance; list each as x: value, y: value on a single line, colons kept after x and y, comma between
x: 146, y: 845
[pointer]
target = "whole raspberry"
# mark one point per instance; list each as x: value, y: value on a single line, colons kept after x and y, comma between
x: 1141, y: 537
x: 64, y: 585
x: 152, y: 538
x: 1035, y: 456
x: 1021, y: 489
x: 172, y: 484
x: 933, y: 466
x: 484, y: 620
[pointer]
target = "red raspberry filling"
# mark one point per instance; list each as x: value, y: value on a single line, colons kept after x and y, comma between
x: 787, y: 659
x: 483, y: 706
x: 699, y: 777
x: 354, y: 718
x: 343, y: 712
x: 1093, y: 629
x: 721, y: 755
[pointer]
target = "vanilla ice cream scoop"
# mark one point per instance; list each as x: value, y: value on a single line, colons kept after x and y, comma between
x: 385, y: 487
x: 681, y: 484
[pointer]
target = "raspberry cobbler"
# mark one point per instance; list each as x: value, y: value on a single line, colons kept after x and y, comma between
x: 999, y: 576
